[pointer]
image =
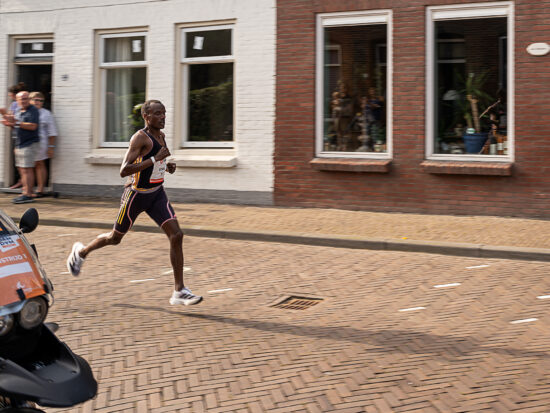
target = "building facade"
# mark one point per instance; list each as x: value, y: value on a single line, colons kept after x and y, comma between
x: 97, y: 60
x: 414, y: 106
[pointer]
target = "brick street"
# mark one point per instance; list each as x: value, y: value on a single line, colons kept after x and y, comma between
x: 453, y: 349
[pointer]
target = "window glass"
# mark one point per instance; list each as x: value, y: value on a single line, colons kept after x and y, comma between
x: 354, y: 88
x: 125, y: 92
x: 123, y: 86
x: 211, y: 102
x: 208, y: 86
x: 470, y: 94
x: 208, y: 43
x: 38, y: 47
x: 124, y: 49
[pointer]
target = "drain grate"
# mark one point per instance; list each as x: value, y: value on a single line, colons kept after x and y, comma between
x: 297, y: 303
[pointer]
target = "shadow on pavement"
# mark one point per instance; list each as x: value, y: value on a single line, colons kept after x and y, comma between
x: 390, y: 341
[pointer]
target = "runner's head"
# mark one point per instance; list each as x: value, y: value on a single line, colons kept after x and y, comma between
x: 154, y: 113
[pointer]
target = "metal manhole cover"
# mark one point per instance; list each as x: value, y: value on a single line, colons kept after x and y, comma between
x: 297, y: 303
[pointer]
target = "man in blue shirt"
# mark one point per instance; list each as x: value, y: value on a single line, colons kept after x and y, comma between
x: 25, y: 121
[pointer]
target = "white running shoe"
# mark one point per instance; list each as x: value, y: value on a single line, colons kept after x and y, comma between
x: 75, y: 261
x: 185, y: 296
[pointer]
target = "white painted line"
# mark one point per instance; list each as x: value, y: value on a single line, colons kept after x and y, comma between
x: 142, y: 281
x: 527, y: 320
x: 478, y: 266
x: 220, y: 291
x: 171, y: 271
x: 65, y: 272
x: 412, y: 309
x: 447, y: 285
x: 64, y: 235
x: 543, y: 297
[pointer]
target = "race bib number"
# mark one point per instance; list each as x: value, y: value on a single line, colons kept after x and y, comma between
x: 159, y: 168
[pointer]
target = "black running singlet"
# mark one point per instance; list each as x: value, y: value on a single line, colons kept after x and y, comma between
x: 152, y: 176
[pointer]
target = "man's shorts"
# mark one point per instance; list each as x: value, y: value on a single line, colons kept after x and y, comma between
x: 26, y: 157
x: 133, y: 203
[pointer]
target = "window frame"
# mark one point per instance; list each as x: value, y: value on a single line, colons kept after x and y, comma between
x: 358, y: 18
x: 183, y: 68
x: 104, y: 66
x: 468, y: 12
x: 20, y: 55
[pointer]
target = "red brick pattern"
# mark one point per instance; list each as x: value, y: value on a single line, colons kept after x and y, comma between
x: 410, y: 185
x: 353, y: 352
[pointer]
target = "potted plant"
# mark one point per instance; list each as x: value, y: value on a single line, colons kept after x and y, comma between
x: 474, y: 101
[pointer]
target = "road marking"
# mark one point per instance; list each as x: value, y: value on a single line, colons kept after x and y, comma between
x: 64, y: 235
x: 65, y: 272
x: 142, y: 281
x: 412, y: 309
x: 220, y: 291
x: 527, y: 320
x: 543, y: 297
x: 478, y: 266
x: 171, y: 271
x: 447, y: 285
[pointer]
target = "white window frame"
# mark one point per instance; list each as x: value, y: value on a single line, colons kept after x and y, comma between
x: 468, y: 12
x: 103, y: 79
x: 19, y: 54
x: 361, y: 18
x: 185, y: 62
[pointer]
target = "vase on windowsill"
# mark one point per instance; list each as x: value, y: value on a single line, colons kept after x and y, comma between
x: 473, y: 142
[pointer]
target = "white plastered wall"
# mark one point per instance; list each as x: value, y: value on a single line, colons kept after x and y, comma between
x: 74, y: 26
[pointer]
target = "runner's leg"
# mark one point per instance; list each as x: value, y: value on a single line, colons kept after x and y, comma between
x: 102, y: 240
x: 175, y: 235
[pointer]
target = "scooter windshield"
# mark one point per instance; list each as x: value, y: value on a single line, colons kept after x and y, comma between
x: 21, y: 275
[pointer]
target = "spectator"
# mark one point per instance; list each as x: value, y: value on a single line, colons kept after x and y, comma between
x: 12, y: 108
x: 25, y: 121
x: 47, y: 132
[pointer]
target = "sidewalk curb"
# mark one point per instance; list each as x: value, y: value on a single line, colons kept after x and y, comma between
x: 342, y: 241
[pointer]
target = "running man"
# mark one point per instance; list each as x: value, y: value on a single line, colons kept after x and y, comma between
x: 145, y: 161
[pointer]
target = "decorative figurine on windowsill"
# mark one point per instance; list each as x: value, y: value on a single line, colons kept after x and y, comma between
x: 342, y: 113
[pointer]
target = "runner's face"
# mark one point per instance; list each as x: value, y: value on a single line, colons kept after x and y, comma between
x: 156, y: 116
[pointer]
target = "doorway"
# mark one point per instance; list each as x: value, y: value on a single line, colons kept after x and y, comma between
x: 32, y: 65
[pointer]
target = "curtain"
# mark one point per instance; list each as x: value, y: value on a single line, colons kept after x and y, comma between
x: 118, y: 91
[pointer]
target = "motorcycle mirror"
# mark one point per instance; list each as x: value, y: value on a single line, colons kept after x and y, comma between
x: 29, y: 220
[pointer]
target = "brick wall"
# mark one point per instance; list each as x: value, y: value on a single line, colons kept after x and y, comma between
x: 408, y: 187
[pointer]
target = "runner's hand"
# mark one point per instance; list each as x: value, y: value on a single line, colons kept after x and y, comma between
x: 171, y: 167
x: 162, y: 154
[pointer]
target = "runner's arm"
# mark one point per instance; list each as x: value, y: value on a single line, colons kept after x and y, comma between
x: 135, y: 148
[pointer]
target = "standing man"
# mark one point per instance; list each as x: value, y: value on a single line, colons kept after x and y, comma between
x: 25, y: 121
x: 145, y: 162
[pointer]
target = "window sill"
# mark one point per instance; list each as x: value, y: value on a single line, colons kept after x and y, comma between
x: 105, y: 157
x: 182, y: 159
x: 351, y: 165
x: 205, y: 158
x: 467, y: 168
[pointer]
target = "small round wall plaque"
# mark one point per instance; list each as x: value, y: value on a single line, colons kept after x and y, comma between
x: 538, y: 49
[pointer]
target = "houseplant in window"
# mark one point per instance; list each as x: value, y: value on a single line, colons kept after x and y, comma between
x: 473, y: 102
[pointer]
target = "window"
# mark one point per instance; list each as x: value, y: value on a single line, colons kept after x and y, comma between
x: 123, y: 71
x: 207, y: 74
x: 354, y: 84
x: 469, y: 90
x: 34, y: 48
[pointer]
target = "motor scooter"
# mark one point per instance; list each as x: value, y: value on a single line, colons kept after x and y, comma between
x: 36, y: 368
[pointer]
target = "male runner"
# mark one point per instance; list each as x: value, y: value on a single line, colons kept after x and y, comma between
x: 145, y: 161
